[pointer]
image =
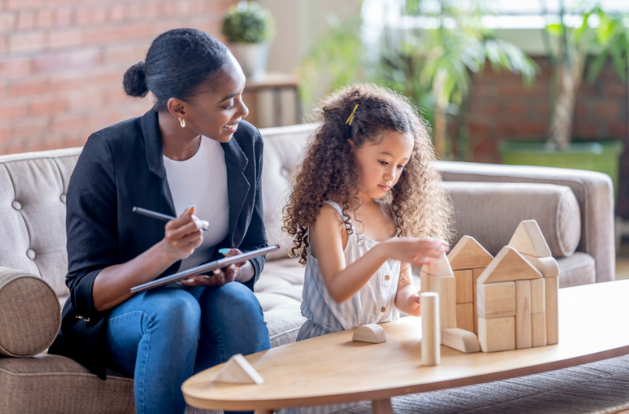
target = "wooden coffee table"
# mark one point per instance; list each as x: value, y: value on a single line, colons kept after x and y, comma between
x: 333, y: 369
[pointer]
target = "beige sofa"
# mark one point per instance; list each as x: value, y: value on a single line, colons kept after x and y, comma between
x: 573, y: 208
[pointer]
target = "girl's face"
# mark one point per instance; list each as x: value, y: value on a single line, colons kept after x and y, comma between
x: 382, y: 162
x: 216, y: 111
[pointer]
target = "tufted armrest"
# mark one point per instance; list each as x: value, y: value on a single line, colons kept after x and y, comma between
x: 593, y: 192
x: 30, y: 314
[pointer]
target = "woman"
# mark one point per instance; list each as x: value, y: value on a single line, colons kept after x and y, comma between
x: 192, y: 148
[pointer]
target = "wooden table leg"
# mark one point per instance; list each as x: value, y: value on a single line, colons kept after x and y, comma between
x: 382, y: 406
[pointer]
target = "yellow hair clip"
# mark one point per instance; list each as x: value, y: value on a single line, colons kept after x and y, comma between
x: 351, y: 117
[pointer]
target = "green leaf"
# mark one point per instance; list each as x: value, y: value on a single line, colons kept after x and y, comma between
x: 596, y: 66
x: 555, y: 29
x: 620, y: 63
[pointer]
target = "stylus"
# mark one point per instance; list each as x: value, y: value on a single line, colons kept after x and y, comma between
x: 156, y: 215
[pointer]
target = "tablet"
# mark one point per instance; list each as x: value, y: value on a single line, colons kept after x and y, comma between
x: 206, y: 267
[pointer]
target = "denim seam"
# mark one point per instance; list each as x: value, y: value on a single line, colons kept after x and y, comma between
x: 219, y: 340
x: 140, y: 399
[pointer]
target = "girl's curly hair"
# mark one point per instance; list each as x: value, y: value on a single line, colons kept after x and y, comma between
x: 421, y: 206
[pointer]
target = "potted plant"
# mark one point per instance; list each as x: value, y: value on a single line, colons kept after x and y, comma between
x: 608, y: 39
x: 248, y: 29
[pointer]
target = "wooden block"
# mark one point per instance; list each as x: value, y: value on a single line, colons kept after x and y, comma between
x: 547, y: 266
x: 538, y: 295
x: 508, y: 265
x: 496, y: 334
x: 538, y: 329
x: 465, y: 316
x: 431, y: 332
x: 461, y: 340
x: 238, y: 370
x: 528, y: 239
x: 464, y: 286
x: 440, y: 267
x: 468, y: 254
x: 475, y: 275
x: 372, y: 333
x: 552, y: 311
x: 523, y: 314
x: 445, y: 286
x: 495, y: 300
x: 424, y: 280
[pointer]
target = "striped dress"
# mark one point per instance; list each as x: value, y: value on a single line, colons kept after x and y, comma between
x: 374, y: 303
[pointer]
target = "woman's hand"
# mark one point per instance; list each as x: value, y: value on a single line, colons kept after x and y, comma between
x: 183, y: 234
x: 219, y: 277
x: 414, y: 250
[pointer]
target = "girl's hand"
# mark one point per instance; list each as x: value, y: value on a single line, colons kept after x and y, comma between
x: 219, y: 277
x: 414, y: 250
x: 412, y: 304
x: 183, y: 234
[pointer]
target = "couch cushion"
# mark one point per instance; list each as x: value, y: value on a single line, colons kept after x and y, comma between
x: 283, y: 148
x: 30, y: 315
x: 279, y: 292
x: 490, y: 212
x: 53, y: 384
x: 32, y: 213
x: 576, y: 270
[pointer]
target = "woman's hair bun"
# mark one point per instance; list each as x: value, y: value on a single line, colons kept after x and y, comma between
x: 134, y: 80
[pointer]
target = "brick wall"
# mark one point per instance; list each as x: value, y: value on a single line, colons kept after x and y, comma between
x: 62, y: 62
x: 502, y: 108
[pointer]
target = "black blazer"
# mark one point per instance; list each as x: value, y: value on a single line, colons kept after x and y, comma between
x: 121, y: 167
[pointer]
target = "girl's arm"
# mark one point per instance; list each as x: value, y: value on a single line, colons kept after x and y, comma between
x: 407, y: 297
x: 328, y: 236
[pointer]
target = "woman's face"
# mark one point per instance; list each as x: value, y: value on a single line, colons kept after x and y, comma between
x: 216, y: 110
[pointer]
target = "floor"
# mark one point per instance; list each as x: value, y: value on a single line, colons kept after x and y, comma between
x: 622, y: 261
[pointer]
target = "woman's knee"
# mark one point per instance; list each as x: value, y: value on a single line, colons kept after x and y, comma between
x: 230, y: 299
x: 176, y: 309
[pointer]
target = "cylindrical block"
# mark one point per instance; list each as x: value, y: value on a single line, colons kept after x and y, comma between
x: 431, y: 330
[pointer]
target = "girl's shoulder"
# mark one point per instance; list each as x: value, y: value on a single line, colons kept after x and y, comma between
x: 329, y: 218
x: 330, y: 211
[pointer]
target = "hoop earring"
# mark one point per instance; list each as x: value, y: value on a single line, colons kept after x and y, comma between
x: 182, y: 122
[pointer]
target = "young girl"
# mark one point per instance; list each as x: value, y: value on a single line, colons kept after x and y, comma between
x: 364, y: 208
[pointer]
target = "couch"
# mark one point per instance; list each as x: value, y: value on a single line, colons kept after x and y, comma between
x: 573, y: 208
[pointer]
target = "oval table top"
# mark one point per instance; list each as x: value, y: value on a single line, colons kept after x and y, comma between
x: 334, y: 369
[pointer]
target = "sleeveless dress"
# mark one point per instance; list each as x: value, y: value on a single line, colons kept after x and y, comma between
x: 374, y: 303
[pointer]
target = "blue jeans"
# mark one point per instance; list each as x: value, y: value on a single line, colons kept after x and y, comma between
x: 163, y: 336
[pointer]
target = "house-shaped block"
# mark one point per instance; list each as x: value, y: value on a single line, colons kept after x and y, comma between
x: 468, y: 260
x: 516, y: 295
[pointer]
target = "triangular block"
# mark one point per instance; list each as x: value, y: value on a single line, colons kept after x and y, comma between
x: 469, y: 254
x: 461, y: 340
x: 508, y: 265
x: 440, y: 267
x: 528, y: 239
x: 239, y: 371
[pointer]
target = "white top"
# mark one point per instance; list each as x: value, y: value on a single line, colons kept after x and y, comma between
x: 202, y: 180
x: 374, y: 303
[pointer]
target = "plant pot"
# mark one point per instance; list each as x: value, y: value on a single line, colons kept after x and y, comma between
x: 600, y: 156
x: 252, y: 58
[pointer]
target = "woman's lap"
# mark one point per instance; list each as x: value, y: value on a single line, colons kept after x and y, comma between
x: 163, y: 336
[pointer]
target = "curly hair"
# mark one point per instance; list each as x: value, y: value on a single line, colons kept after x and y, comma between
x: 328, y: 171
